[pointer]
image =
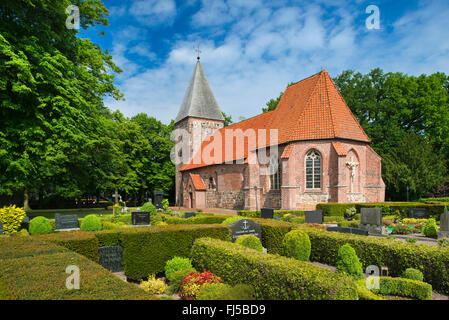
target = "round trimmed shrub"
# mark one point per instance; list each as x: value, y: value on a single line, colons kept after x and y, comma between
x: 296, y: 244
x: 177, y: 277
x: 91, y: 223
x: 348, y: 262
x: 175, y: 264
x: 250, y: 241
x: 413, y: 274
x: 430, y: 229
x: 40, y: 225
x: 149, y: 207
x: 232, y: 219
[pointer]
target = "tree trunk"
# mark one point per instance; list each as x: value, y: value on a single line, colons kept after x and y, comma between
x: 26, y: 205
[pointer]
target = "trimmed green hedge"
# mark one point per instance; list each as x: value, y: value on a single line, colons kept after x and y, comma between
x: 273, y: 277
x: 432, y: 261
x: 199, y: 219
x: 277, y: 213
x: 21, y: 247
x: 273, y: 232
x: 402, y: 287
x: 84, y: 243
x: 147, y: 249
x: 41, y: 275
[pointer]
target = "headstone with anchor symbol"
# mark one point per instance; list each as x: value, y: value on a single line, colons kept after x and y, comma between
x: 245, y: 226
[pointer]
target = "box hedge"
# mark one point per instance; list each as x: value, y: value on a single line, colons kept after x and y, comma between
x: 147, y: 249
x: 277, y: 213
x: 432, y: 261
x: 401, y: 287
x: 84, y: 243
x: 273, y: 277
x: 199, y: 219
x: 42, y: 275
x: 273, y: 233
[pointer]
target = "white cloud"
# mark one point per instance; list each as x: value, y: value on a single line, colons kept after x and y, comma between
x: 154, y: 12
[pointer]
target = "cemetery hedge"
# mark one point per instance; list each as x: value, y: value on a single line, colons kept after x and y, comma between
x: 401, y: 287
x: 199, y: 219
x: 273, y: 277
x: 277, y: 213
x: 84, y: 243
x: 272, y: 234
x: 147, y: 249
x: 31, y: 269
x: 432, y: 261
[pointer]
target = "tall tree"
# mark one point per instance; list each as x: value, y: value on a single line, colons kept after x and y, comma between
x: 52, y: 85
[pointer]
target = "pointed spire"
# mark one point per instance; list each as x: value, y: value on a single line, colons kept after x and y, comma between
x: 199, y: 101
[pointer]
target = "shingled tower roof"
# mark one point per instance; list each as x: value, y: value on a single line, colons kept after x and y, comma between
x: 199, y: 101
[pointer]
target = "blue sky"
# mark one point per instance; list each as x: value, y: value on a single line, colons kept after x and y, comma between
x: 251, y: 49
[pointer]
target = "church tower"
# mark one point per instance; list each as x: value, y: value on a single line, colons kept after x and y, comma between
x: 199, y: 117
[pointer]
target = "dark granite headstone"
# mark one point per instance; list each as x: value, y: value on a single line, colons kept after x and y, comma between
x: 111, y: 258
x: 418, y: 213
x: 189, y: 214
x: 66, y: 221
x: 266, y: 213
x: 158, y: 197
x: 348, y: 230
x: 371, y: 216
x: 140, y: 218
x: 245, y: 226
x: 315, y: 216
x: 1, y: 227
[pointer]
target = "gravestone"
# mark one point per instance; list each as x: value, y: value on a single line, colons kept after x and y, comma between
x: 158, y: 197
x: 245, y: 226
x: 444, y: 225
x: 266, y: 213
x: 418, y: 213
x: 315, y: 216
x: 371, y: 220
x: 140, y: 218
x: 111, y: 258
x: 26, y: 219
x: 189, y: 214
x: 66, y: 221
x: 360, y: 232
x: 1, y: 227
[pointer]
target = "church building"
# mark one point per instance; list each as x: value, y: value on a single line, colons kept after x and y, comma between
x: 309, y: 150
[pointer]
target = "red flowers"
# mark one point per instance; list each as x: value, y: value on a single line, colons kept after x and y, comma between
x: 193, y: 282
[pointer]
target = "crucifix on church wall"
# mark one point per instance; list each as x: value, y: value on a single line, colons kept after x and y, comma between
x: 352, y: 165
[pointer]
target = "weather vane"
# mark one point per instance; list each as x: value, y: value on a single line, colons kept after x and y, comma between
x: 198, y: 51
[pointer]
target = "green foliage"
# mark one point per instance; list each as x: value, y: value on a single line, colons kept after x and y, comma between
x: 443, y: 243
x: 413, y: 274
x: 411, y: 240
x: 273, y: 277
x: 146, y: 250
x: 84, y: 243
x: 296, y: 244
x: 396, y: 255
x: 149, y: 207
x: 198, y: 219
x: 277, y: 213
x: 37, y: 271
x: 350, y: 213
x: 348, y: 262
x: 227, y: 119
x: 177, y: 277
x: 273, y: 232
x: 40, y: 225
x: 232, y: 219
x: 401, y: 229
x: 11, y: 217
x: 250, y: 241
x: 153, y: 285
x: 222, y: 291
x: 403, y: 287
x: 430, y: 229
x: 176, y: 264
x: 334, y: 209
x: 91, y: 223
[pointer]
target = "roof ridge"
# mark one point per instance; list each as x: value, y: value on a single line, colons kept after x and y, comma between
x: 329, y: 105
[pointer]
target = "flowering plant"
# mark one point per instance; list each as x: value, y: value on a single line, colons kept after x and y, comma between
x: 194, y: 281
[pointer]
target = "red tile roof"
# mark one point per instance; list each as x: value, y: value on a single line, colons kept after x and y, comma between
x: 287, y: 151
x: 341, y: 151
x: 310, y: 109
x: 197, y: 182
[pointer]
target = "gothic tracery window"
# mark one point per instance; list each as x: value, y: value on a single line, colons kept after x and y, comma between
x: 313, y: 170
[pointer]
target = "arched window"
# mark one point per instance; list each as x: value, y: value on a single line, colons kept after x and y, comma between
x: 313, y: 170
x: 275, y: 176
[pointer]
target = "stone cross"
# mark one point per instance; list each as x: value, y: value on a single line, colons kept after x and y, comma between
x: 352, y: 165
x: 116, y: 195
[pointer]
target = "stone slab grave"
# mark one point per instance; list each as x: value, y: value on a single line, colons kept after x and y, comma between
x: 140, y: 218
x: 111, y: 258
x: 444, y: 225
x: 189, y: 214
x: 360, y: 232
x: 245, y: 226
x: 418, y: 213
x: 266, y: 213
x: 66, y: 222
x: 371, y: 220
x: 1, y: 227
x: 315, y: 216
x: 158, y: 197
